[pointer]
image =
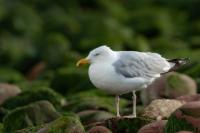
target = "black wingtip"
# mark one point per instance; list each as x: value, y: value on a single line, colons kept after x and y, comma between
x: 184, y: 60
x: 179, y: 61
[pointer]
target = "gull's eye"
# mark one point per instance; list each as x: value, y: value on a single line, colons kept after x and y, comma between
x: 96, y: 54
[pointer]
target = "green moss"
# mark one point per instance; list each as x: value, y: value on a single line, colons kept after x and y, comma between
x: 174, y: 125
x: 29, y: 96
x: 10, y: 76
x: 176, y: 83
x: 66, y: 124
x: 93, y: 99
x: 31, y: 115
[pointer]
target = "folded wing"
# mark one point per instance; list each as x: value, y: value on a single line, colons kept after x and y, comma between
x: 138, y: 64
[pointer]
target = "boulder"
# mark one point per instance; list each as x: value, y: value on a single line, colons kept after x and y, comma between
x: 30, y: 96
x: 7, y: 91
x: 161, y: 108
x: 99, y: 129
x: 31, y: 115
x: 187, y: 118
x: 170, y: 86
x: 154, y: 127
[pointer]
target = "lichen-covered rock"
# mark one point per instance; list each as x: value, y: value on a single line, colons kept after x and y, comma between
x: 30, y: 96
x: 161, y: 108
x: 93, y: 100
x: 7, y: 91
x: 90, y: 116
x: 99, y: 129
x: 187, y: 117
x: 125, y: 125
x: 170, y: 85
x: 189, y: 98
x: 65, y: 124
x: 154, y: 127
x: 33, y: 114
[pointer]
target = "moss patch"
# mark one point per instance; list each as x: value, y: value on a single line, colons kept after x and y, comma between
x: 176, y: 83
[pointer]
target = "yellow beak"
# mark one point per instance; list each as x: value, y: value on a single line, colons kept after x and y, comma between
x: 82, y: 61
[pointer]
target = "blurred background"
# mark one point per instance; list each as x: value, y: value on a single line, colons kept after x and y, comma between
x: 40, y: 41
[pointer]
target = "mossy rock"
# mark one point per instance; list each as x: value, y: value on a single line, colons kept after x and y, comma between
x: 30, y: 96
x: 93, y: 99
x: 31, y: 115
x: 10, y: 76
x: 174, y: 81
x: 68, y: 123
x: 125, y: 125
x: 70, y: 80
x: 180, y: 84
x: 170, y: 85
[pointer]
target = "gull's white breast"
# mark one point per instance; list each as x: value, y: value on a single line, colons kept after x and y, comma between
x: 104, y: 77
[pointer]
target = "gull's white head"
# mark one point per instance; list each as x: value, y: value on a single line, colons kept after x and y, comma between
x: 99, y: 54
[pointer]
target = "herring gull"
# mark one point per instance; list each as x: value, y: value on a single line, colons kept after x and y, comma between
x: 120, y: 72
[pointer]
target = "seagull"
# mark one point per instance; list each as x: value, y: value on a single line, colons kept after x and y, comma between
x: 120, y: 72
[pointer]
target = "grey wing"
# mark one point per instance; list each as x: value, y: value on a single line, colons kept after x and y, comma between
x: 137, y: 64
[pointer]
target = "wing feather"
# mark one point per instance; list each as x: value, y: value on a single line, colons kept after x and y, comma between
x: 138, y: 64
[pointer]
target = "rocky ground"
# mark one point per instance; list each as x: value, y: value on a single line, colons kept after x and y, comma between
x: 169, y: 105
